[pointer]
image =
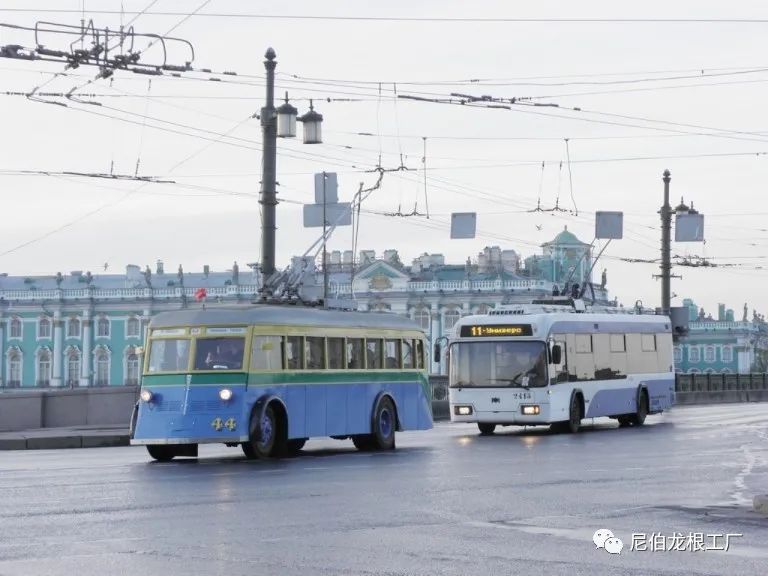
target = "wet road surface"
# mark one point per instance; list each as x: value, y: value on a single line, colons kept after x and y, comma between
x: 447, y: 501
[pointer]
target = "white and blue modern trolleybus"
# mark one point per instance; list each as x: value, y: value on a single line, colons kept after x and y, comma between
x: 548, y: 364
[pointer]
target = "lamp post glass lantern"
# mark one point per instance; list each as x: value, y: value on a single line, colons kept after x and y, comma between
x: 286, y: 120
x: 312, y: 126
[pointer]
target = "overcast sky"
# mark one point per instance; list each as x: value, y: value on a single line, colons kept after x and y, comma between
x: 687, y: 96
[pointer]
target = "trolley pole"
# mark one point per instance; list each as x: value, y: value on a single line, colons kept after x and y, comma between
x: 268, y: 199
x: 666, y: 233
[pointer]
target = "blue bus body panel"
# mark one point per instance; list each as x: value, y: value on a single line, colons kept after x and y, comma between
x: 181, y: 413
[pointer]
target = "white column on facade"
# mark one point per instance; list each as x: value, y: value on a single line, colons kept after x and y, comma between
x: 85, y: 360
x: 435, y: 334
x: 58, y: 345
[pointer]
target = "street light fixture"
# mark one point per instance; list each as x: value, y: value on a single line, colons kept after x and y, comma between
x: 277, y: 122
x: 286, y: 120
x: 312, y: 126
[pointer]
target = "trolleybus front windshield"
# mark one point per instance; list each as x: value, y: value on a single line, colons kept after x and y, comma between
x: 169, y: 355
x: 498, y: 364
x: 219, y: 353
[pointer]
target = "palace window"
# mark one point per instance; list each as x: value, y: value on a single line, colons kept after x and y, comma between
x: 14, y: 369
x: 709, y: 353
x: 678, y: 355
x: 133, y: 327
x: 16, y: 328
x: 73, y: 328
x: 694, y: 355
x: 44, y: 368
x: 727, y: 354
x: 132, y: 369
x: 102, y: 368
x: 450, y: 318
x: 421, y: 317
x: 102, y: 327
x: 73, y: 368
x: 44, y: 328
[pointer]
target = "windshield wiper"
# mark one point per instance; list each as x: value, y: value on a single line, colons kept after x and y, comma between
x: 512, y: 380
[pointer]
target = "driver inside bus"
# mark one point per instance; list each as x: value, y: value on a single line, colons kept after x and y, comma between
x: 227, y: 355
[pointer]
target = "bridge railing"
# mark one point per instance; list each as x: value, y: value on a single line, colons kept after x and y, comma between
x: 721, y: 382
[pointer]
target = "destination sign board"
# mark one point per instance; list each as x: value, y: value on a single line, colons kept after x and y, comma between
x: 495, y: 330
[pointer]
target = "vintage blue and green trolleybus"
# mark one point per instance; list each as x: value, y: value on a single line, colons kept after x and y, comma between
x: 267, y: 378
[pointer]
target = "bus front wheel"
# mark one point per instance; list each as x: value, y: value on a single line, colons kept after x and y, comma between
x: 268, y: 435
x: 486, y: 429
x: 161, y: 453
x: 573, y: 423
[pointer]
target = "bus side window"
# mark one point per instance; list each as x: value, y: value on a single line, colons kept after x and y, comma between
x: 267, y: 353
x: 419, y: 345
x: 294, y: 357
x: 407, y: 354
x: 355, y: 356
x: 374, y: 353
x: 392, y: 354
x: 315, y: 352
x: 336, y: 353
x: 560, y: 371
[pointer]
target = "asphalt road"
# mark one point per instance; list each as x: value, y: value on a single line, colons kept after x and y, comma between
x: 447, y: 501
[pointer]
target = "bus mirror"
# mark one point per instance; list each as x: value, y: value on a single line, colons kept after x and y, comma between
x: 437, y: 352
x: 557, y: 354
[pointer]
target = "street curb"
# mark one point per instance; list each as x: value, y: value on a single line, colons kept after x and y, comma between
x: 104, y: 441
x: 760, y: 503
x: 68, y: 441
x: 13, y: 444
x: 54, y: 442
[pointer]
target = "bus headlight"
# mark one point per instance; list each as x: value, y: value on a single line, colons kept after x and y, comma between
x: 462, y: 410
x: 225, y: 394
x: 146, y: 395
x: 531, y: 410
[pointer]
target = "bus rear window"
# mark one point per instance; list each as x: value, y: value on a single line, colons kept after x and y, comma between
x: 219, y: 353
x: 169, y: 356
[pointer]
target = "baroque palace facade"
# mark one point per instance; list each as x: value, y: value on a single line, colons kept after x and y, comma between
x: 81, y: 329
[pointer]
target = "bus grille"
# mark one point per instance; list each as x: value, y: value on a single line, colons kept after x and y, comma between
x: 170, y: 406
x: 204, y: 405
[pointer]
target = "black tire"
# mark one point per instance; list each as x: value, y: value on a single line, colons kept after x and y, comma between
x: 624, y: 421
x: 573, y: 423
x: 294, y: 446
x: 363, y: 442
x: 638, y: 418
x: 384, y: 425
x: 486, y: 429
x: 161, y: 453
x: 272, y: 440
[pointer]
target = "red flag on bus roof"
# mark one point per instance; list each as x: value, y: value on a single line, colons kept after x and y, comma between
x: 200, y: 294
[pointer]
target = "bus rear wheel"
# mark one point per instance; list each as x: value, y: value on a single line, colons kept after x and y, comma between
x: 363, y: 442
x: 638, y: 418
x: 268, y: 435
x: 486, y: 429
x: 161, y: 453
x: 384, y: 424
